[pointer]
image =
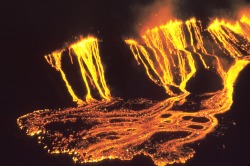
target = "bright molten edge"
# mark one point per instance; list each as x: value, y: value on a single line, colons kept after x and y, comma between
x: 109, y: 127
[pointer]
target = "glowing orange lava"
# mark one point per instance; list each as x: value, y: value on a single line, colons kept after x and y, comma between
x: 112, y: 128
x: 87, y: 53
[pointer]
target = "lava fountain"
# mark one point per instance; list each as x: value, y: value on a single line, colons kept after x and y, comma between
x: 113, y: 128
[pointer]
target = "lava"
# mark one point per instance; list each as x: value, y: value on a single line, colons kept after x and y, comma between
x: 163, y: 130
x: 87, y: 53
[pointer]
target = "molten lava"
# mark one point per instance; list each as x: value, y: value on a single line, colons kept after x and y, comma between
x: 112, y: 128
x: 87, y: 53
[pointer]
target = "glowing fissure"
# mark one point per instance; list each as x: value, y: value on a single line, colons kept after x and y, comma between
x: 113, y: 128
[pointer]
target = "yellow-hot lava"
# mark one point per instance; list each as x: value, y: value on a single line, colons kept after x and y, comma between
x: 114, y: 128
x: 55, y: 60
x: 87, y: 52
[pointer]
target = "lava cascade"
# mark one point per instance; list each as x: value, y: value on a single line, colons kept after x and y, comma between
x: 92, y: 72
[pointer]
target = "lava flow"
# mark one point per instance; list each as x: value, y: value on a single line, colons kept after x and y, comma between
x: 87, y: 53
x: 163, y: 130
